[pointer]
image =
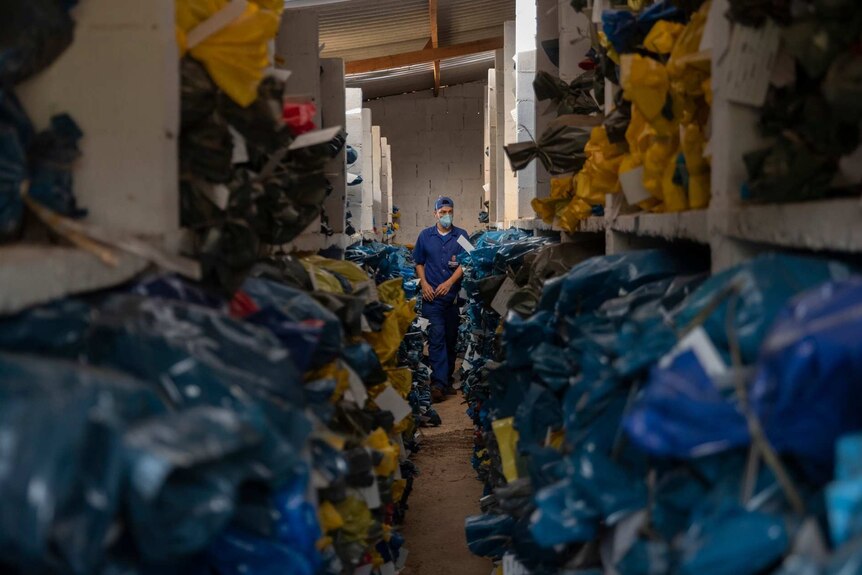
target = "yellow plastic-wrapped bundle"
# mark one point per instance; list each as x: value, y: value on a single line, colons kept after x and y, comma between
x: 236, y: 55
x: 379, y: 442
x: 663, y: 36
x: 348, y: 270
x: 670, y: 108
x: 600, y: 175
x: 573, y: 213
x: 357, y: 519
x: 562, y: 191
x: 387, y: 341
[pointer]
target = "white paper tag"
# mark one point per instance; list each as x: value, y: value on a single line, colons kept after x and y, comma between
x: 371, y: 495
x: 357, y: 388
x: 699, y: 342
x: 215, y: 23
x: 501, y: 300
x: 218, y: 194
x: 465, y: 243
x: 390, y: 401
x: 240, y: 150
x: 632, y: 183
x: 598, y: 8
x: 402, y: 451
x: 749, y: 63
x: 315, y: 138
x: 279, y: 74
x: 423, y: 323
x: 511, y: 566
x: 402, y: 558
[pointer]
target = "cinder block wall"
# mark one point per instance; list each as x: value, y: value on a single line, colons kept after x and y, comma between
x: 437, y: 149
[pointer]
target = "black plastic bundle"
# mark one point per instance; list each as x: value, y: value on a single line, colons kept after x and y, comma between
x: 560, y: 149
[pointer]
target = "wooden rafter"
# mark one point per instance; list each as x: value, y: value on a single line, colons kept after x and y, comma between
x: 435, y: 43
x: 423, y: 56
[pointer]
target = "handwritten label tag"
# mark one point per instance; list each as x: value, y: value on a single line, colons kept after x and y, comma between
x: 749, y: 63
x: 632, y: 183
x: 465, y: 243
x: 315, y: 138
x: 390, y: 401
x: 699, y: 342
x: 500, y: 304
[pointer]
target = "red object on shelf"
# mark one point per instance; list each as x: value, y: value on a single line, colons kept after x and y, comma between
x: 299, y: 117
x: 242, y: 306
x: 587, y: 64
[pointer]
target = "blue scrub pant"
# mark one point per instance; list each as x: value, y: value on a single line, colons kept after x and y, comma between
x: 442, y: 339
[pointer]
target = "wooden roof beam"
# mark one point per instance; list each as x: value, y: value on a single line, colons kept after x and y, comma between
x: 435, y: 43
x: 423, y: 56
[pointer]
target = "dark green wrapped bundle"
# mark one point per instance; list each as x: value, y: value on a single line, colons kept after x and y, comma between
x: 561, y: 147
x: 574, y: 98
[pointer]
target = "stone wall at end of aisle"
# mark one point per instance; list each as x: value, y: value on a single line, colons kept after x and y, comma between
x: 437, y: 150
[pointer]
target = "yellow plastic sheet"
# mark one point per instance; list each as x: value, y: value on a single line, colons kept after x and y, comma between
x: 348, y: 270
x: 507, y: 441
x: 276, y: 6
x: 687, y: 67
x: 699, y: 185
x: 600, y: 175
x: 387, y: 341
x: 329, y: 517
x: 562, y: 190
x: 336, y: 371
x: 357, y: 519
x: 379, y: 441
x: 663, y: 36
x: 645, y: 82
x: 401, y: 380
x: 237, y: 55
x: 571, y: 215
x: 322, y: 279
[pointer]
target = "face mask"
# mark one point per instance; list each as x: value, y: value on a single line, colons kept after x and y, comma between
x: 446, y: 221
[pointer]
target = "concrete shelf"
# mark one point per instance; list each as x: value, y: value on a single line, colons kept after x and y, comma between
x: 690, y: 226
x: 36, y: 274
x: 833, y: 225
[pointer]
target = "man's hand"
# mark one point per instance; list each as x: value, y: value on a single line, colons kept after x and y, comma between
x: 443, y: 289
x: 427, y: 291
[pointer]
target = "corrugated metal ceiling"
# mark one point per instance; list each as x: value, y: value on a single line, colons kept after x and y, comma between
x: 421, y: 77
x: 362, y: 29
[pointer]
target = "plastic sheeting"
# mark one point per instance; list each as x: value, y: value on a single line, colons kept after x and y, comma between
x: 633, y: 449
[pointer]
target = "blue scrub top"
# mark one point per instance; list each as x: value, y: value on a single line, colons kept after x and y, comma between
x: 438, y: 253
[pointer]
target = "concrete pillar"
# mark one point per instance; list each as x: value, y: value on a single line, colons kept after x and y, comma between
x: 334, y: 113
x: 127, y: 176
x: 510, y: 134
x: 525, y: 33
x: 297, y: 50
x: 377, y: 168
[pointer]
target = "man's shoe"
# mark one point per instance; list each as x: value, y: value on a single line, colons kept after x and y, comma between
x: 437, y: 395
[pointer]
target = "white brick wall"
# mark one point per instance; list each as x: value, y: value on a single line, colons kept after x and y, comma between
x: 437, y: 149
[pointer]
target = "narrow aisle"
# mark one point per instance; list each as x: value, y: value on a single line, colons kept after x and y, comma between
x: 444, y: 495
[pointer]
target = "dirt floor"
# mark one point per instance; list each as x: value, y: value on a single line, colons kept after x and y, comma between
x: 443, y: 496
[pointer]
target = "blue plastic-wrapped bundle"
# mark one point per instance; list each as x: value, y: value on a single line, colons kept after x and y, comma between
x: 682, y: 413
x: 38, y: 164
x: 622, y: 389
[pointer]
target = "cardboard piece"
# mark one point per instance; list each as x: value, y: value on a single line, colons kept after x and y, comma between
x: 501, y: 300
x: 390, y: 401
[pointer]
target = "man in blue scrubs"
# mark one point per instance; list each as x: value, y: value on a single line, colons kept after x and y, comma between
x: 440, y: 276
